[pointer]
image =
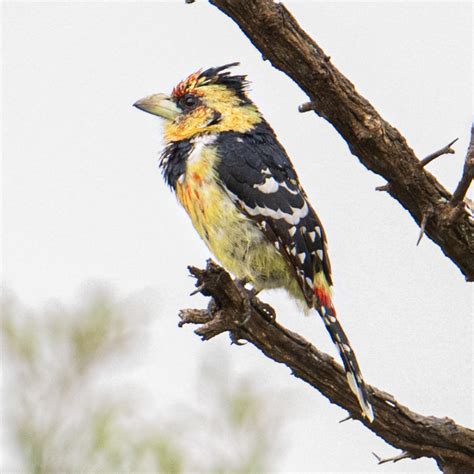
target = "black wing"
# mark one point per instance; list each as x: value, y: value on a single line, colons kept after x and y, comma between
x: 256, y: 172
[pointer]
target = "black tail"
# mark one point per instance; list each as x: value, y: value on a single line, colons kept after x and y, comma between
x: 353, y: 373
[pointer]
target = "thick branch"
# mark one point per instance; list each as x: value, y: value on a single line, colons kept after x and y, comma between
x: 379, y: 146
x: 451, y: 445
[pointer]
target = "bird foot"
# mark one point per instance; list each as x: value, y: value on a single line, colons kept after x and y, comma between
x: 264, y: 309
x: 235, y: 339
x: 212, y: 307
x: 250, y: 301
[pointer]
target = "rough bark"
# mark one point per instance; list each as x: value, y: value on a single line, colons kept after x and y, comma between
x: 378, y: 146
x: 451, y: 445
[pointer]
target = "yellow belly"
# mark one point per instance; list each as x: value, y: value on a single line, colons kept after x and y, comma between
x: 234, y: 239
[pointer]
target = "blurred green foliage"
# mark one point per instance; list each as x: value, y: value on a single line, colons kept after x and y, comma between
x: 61, y: 417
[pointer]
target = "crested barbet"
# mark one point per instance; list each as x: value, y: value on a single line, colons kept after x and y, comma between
x: 239, y: 187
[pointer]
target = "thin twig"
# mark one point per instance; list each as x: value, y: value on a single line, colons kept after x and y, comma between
x: 426, y: 215
x: 385, y: 187
x: 467, y: 174
x: 394, y: 459
x: 347, y: 418
x: 446, y: 150
x: 306, y: 107
x: 197, y: 290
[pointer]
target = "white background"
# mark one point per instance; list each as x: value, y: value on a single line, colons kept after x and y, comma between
x: 84, y: 200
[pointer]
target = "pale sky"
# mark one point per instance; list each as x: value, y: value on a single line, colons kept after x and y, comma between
x: 83, y: 199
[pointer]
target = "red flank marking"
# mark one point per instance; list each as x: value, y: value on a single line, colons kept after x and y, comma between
x: 324, y: 299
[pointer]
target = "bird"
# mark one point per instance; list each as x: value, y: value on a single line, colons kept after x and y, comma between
x: 237, y: 184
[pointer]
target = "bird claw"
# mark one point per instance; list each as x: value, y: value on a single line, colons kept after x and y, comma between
x: 212, y: 307
x: 250, y: 301
x: 246, y: 302
x: 235, y: 339
x: 264, y: 309
x: 247, y: 310
x: 242, y: 282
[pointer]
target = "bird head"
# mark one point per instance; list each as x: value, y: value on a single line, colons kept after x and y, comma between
x: 209, y: 101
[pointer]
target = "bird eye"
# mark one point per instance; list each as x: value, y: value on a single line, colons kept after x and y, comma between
x: 188, y: 101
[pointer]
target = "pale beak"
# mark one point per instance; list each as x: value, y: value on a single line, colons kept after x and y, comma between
x: 159, y: 104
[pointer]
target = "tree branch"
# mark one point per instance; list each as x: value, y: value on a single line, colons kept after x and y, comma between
x: 379, y: 146
x: 451, y: 445
x: 446, y: 150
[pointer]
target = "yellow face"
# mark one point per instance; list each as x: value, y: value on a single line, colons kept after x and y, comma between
x: 203, y: 103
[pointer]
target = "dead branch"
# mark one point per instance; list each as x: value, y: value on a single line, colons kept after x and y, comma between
x: 393, y: 459
x: 306, y: 107
x: 426, y: 215
x: 451, y: 445
x: 446, y: 150
x: 379, y: 147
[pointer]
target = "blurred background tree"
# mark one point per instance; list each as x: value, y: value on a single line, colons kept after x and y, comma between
x: 60, y: 415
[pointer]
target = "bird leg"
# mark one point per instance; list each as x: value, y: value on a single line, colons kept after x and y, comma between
x: 245, y: 281
x: 246, y: 302
x: 250, y: 301
x: 235, y: 339
x: 212, y: 307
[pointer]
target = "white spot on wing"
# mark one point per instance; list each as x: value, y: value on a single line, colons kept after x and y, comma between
x: 312, y: 235
x: 320, y: 254
x: 269, y: 186
x: 296, y: 215
x: 295, y: 192
x: 292, y: 231
x: 293, y: 218
x: 318, y: 230
x: 278, y: 214
x: 302, y: 256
